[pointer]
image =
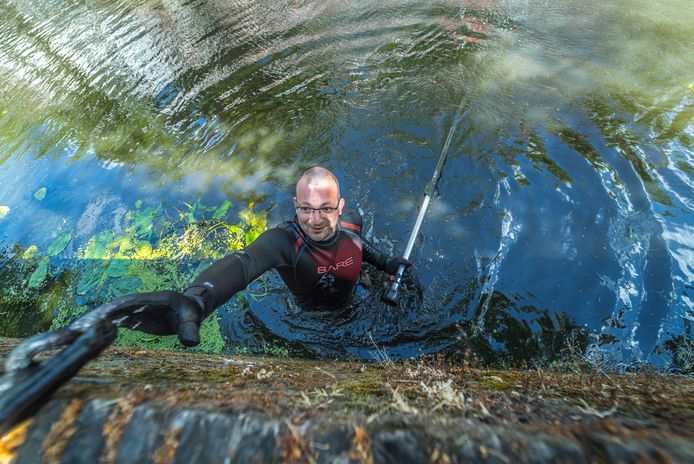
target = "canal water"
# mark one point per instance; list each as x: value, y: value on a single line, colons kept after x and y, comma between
x: 561, y: 229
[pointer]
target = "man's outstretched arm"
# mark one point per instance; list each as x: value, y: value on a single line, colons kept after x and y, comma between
x: 182, y: 313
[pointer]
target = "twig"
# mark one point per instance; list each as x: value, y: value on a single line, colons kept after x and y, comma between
x: 601, y: 414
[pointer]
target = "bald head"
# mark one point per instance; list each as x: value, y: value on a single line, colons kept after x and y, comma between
x: 316, y: 175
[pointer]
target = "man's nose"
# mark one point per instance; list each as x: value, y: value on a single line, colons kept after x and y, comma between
x: 315, y: 216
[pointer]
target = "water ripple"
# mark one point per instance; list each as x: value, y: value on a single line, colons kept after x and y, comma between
x: 563, y: 213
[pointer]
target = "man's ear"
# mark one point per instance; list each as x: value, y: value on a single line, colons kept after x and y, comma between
x: 340, y: 205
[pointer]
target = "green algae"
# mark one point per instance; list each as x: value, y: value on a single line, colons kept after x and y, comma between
x: 211, y: 340
x: 275, y: 350
x: 40, y: 194
x: 498, y: 383
x: 39, y: 275
x: 29, y: 252
x: 156, y: 251
x: 20, y: 314
x: 367, y: 383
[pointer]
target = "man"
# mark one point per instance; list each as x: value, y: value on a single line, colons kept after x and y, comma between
x: 318, y: 255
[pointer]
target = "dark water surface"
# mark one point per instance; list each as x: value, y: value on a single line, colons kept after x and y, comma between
x: 563, y: 223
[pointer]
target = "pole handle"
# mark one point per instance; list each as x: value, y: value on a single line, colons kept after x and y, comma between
x: 391, y: 295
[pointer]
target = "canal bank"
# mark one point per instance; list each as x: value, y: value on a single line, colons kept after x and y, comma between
x: 134, y: 405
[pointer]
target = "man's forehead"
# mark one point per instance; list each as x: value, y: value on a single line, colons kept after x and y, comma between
x: 323, y: 193
x: 324, y: 185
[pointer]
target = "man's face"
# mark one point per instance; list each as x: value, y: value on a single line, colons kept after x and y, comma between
x: 318, y: 225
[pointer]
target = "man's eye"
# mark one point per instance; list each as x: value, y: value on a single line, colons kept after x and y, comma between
x: 328, y: 209
x: 304, y: 209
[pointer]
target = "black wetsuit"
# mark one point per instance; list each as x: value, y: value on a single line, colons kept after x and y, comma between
x: 320, y: 275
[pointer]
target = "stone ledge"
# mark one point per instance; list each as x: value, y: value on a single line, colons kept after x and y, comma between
x: 153, y: 406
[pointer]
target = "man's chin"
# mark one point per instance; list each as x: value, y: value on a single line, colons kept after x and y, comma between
x: 318, y: 236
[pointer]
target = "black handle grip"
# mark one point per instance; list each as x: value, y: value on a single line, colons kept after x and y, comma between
x: 391, y: 295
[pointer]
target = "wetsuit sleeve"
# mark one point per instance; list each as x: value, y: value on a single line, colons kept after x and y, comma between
x: 231, y: 274
x: 373, y: 255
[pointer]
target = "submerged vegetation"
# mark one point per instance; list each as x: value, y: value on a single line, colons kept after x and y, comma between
x: 159, y: 248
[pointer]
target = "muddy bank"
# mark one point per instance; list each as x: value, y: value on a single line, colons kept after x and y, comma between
x: 152, y: 406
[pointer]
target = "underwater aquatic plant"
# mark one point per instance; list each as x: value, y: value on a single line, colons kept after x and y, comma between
x: 154, y: 252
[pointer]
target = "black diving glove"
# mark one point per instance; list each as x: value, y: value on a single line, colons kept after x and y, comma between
x: 393, y: 264
x: 168, y: 313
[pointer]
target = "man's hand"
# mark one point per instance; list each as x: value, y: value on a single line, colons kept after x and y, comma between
x: 168, y: 313
x: 393, y: 264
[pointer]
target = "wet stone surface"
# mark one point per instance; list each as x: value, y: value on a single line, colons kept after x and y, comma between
x: 144, y: 434
x: 146, y: 406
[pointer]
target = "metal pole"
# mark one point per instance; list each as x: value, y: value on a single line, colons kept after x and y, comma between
x: 391, y: 295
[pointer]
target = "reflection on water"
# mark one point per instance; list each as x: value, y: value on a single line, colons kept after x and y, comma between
x: 564, y: 212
